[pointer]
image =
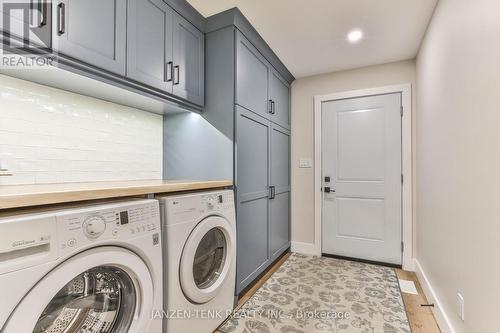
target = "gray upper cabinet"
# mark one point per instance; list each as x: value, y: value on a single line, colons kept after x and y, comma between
x: 189, y: 61
x: 149, y: 43
x: 28, y: 22
x: 165, y: 51
x: 92, y: 31
x: 279, y: 95
x: 147, y: 46
x: 259, y: 87
x: 252, y: 77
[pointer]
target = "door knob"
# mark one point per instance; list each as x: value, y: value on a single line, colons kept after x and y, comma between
x: 327, y: 189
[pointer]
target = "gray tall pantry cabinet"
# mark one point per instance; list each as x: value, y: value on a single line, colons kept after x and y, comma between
x: 246, y: 125
x: 262, y: 141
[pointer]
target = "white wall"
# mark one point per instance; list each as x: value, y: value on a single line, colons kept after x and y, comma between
x: 458, y: 160
x: 49, y: 135
x: 303, y: 92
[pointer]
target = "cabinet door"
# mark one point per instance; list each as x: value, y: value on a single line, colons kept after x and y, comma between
x: 28, y: 22
x: 252, y: 179
x: 279, y: 227
x: 252, y: 77
x: 189, y: 61
x: 149, y: 43
x: 93, y: 31
x: 279, y: 92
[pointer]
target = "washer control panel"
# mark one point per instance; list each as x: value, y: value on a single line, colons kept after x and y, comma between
x: 94, y: 226
x: 113, y: 221
x: 217, y: 201
x: 192, y: 206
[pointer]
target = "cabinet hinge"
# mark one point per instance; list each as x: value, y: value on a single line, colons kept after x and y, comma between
x: 402, y: 247
x: 402, y: 179
x: 401, y: 110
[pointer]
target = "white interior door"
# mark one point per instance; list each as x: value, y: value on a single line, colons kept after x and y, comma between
x: 361, y: 154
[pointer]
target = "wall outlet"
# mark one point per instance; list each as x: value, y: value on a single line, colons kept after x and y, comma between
x: 305, y: 162
x: 460, y: 306
x: 4, y: 162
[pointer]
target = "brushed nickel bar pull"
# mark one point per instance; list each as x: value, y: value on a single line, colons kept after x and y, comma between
x: 169, y: 71
x: 176, y: 75
x: 44, y: 10
x: 272, y: 194
x: 61, y: 18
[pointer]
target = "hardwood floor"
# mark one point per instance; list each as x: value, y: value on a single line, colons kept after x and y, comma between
x: 420, y: 317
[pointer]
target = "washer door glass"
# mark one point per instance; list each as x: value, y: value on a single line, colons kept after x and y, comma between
x: 101, y: 299
x: 209, y: 258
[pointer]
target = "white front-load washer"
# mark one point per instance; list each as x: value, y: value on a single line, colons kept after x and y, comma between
x: 93, y: 268
x: 199, y: 233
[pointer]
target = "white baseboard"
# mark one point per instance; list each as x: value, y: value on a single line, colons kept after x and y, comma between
x: 442, y: 318
x: 304, y: 248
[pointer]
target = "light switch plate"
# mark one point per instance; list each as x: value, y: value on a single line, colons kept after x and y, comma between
x: 305, y: 162
x: 4, y: 162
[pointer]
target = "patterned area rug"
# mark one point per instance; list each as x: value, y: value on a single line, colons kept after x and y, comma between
x: 318, y: 294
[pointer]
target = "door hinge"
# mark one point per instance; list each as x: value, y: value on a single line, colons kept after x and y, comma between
x: 402, y: 247
x: 401, y: 110
x: 402, y: 179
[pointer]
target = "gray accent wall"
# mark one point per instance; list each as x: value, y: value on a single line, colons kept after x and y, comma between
x: 194, y: 149
x: 219, y: 80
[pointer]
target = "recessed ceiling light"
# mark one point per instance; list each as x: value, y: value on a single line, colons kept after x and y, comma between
x: 355, y: 36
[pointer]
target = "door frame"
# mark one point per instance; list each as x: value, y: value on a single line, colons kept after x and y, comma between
x: 407, y: 167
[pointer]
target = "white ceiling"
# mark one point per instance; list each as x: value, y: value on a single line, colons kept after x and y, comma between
x: 309, y: 36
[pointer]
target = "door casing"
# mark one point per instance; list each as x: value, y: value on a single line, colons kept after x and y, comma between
x: 407, y: 167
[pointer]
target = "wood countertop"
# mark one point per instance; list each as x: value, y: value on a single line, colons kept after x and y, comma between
x: 16, y: 196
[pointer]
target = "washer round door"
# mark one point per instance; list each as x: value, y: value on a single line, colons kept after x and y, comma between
x: 105, y: 290
x: 206, y: 259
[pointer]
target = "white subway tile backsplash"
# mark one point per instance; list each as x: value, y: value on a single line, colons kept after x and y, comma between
x: 50, y: 136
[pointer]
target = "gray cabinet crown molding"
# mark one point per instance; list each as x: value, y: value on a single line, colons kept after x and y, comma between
x: 233, y: 17
x: 184, y: 9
